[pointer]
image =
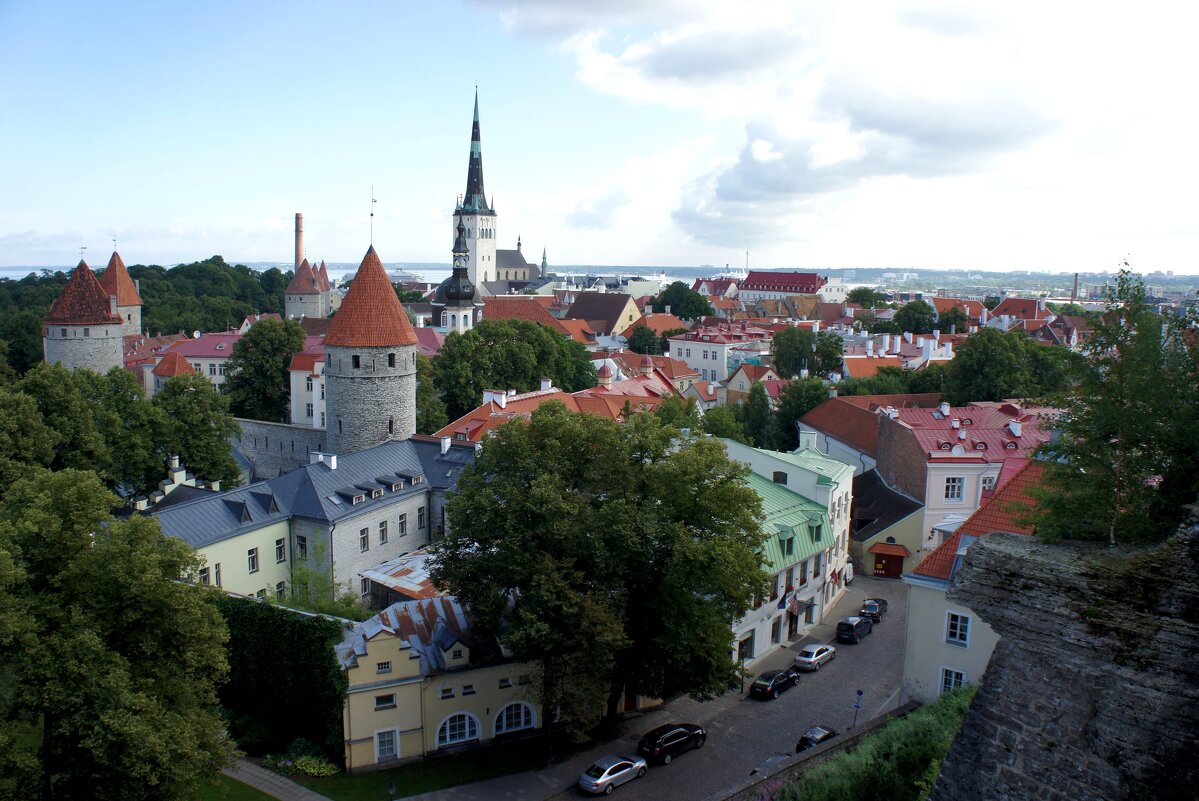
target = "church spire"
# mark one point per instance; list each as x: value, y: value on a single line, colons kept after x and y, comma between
x: 475, y: 201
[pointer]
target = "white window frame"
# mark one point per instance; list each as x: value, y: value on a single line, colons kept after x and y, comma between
x: 252, y: 560
x: 385, y: 704
x: 941, y: 685
x: 528, y: 718
x: 383, y: 667
x: 395, y: 734
x: 960, y: 483
x: 471, y: 722
x: 988, y: 483
x: 962, y: 642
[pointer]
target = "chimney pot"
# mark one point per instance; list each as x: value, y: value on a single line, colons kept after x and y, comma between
x: 547, y: 383
x: 944, y: 409
x: 445, y: 445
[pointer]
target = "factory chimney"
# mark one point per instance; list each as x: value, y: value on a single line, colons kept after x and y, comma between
x: 1074, y: 292
x: 299, y: 239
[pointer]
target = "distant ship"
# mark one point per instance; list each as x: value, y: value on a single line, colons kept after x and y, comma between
x: 399, y: 275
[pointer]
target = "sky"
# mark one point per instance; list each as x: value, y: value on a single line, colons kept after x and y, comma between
x: 940, y: 135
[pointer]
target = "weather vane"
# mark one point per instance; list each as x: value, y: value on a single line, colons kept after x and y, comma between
x: 373, y: 202
x: 81, y: 249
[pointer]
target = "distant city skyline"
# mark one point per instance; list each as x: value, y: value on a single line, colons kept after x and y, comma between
x: 907, y: 135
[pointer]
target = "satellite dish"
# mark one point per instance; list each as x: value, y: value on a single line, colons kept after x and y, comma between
x: 195, y: 334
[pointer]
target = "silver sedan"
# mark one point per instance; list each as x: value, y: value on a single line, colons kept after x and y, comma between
x: 812, y: 656
x: 610, y: 772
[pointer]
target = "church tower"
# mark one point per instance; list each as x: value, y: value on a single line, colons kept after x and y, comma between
x: 454, y: 305
x: 115, y: 280
x: 370, y: 365
x: 82, y: 330
x: 475, y: 215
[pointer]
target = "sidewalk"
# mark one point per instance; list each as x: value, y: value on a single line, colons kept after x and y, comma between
x: 559, y: 779
x: 270, y: 782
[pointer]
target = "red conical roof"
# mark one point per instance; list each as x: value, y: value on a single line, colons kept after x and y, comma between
x: 82, y: 302
x: 371, y: 316
x: 304, y: 282
x: 116, y: 281
x: 172, y: 364
x: 323, y: 275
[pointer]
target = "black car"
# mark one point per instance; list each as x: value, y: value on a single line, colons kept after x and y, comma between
x: 773, y: 682
x: 666, y: 742
x: 874, y: 608
x: 853, y: 629
x: 814, y: 737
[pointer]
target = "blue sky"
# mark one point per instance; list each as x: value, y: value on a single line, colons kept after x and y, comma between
x: 913, y: 134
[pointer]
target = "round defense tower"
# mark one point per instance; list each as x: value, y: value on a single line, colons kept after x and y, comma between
x: 82, y: 330
x: 370, y: 365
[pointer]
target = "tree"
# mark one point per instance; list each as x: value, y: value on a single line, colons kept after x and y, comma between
x: 930, y: 379
x: 683, y: 302
x: 953, y: 319
x: 116, y: 662
x: 136, y: 431
x: 757, y: 419
x: 596, y: 534
x: 720, y: 421
x: 799, y: 398
x: 256, y: 377
x: 794, y: 350
x: 22, y: 330
x: 507, y: 354
x: 830, y: 349
x: 678, y: 413
x: 201, y: 427
x: 989, y: 366
x: 68, y: 414
x: 666, y: 335
x: 644, y: 340
x: 916, y: 317
x: 25, y: 439
x: 430, y: 408
x: 865, y: 296
x: 1128, y: 455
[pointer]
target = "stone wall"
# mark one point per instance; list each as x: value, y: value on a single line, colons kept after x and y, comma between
x: 102, y: 349
x: 275, y: 448
x: 370, y: 403
x: 902, y: 462
x: 1093, y: 689
x: 297, y: 306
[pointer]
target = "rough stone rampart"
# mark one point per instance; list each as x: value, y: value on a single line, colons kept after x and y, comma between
x: 275, y: 448
x: 99, y: 351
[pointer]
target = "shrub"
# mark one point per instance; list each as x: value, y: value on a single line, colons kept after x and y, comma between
x: 316, y: 766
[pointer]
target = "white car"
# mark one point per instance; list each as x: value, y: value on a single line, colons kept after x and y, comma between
x: 812, y: 656
x: 610, y: 772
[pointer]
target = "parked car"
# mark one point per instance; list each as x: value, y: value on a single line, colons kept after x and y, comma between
x: 853, y: 629
x: 812, y: 656
x: 874, y: 608
x: 814, y: 737
x: 666, y: 742
x: 773, y: 682
x: 610, y: 772
x: 768, y: 764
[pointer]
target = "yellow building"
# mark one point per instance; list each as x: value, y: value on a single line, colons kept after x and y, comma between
x: 418, y: 683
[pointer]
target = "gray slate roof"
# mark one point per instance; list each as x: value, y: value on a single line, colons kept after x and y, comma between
x: 876, y: 506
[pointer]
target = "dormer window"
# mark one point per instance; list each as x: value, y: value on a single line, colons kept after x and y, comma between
x: 220, y: 346
x: 966, y: 421
x: 357, y: 499
x: 1011, y: 446
x: 377, y: 493
x: 945, y: 446
x: 780, y: 477
x: 981, y: 446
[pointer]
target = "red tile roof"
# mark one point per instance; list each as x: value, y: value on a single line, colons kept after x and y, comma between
x: 172, y: 364
x: 755, y: 372
x: 987, y: 436
x: 82, y: 302
x: 521, y: 307
x: 775, y: 387
x: 853, y: 420
x: 995, y: 515
x: 889, y: 549
x: 116, y: 281
x: 658, y: 323
x: 580, y: 331
x: 474, y: 425
x: 1021, y: 309
x: 371, y: 315
x: 322, y: 276
x: 208, y: 346
x: 315, y: 325
x: 973, y: 309
x: 304, y: 282
x: 796, y: 283
x: 868, y: 367
x: 430, y: 341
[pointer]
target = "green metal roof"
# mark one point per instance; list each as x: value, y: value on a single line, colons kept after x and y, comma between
x: 828, y: 471
x: 788, y: 515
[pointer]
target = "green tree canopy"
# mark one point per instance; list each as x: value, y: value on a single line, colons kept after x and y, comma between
x: 1128, y: 455
x: 757, y: 420
x: 953, y: 319
x: 644, y: 340
x: 139, y: 434
x: 794, y: 349
x: 430, y: 408
x: 596, y: 533
x: 721, y: 421
x: 201, y: 427
x: 22, y: 331
x: 799, y: 398
x: 866, y: 297
x: 114, y: 665
x: 63, y: 407
x: 829, y: 350
x: 507, y: 354
x: 683, y: 302
x: 256, y: 376
x: 917, y: 317
x: 989, y: 366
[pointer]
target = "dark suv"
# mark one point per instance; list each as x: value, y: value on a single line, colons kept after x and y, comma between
x: 874, y: 608
x: 666, y: 742
x: 773, y: 682
x: 853, y: 629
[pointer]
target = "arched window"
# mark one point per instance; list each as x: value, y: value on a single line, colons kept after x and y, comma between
x: 514, y: 717
x: 453, y: 321
x: 460, y: 728
x: 445, y: 319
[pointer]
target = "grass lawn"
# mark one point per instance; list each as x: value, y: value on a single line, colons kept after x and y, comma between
x: 226, y: 789
x: 431, y: 774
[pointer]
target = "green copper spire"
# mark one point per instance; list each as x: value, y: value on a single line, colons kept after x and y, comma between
x: 474, y: 201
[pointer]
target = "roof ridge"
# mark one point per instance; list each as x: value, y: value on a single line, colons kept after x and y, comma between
x: 82, y: 301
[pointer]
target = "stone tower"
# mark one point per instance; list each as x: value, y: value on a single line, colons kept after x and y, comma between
x: 82, y: 330
x: 370, y: 365
x: 454, y: 304
x: 302, y: 298
x: 475, y: 214
x: 115, y: 280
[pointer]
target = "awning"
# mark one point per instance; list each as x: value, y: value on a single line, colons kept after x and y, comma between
x: 889, y: 549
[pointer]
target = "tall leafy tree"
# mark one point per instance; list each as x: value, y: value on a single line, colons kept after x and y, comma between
x: 580, y: 536
x: 430, y: 408
x: 799, y: 398
x: 66, y: 411
x: 721, y: 421
x: 866, y: 297
x: 25, y: 439
x: 683, y: 302
x: 136, y: 431
x: 1128, y: 455
x: 757, y: 419
x: 989, y: 366
x: 644, y: 340
x: 201, y: 427
x: 256, y: 376
x: 794, y: 349
x: 22, y: 330
x: 953, y: 319
x: 115, y: 663
x: 829, y: 350
x: 917, y: 317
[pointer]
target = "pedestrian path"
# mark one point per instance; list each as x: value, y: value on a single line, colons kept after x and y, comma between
x: 270, y: 782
